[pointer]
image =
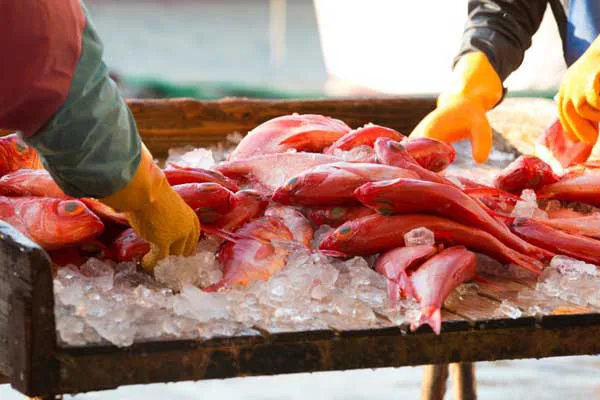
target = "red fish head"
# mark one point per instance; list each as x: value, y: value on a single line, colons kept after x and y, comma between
x: 54, y: 223
x: 370, y: 194
x: 15, y: 154
x: 301, y: 184
x: 250, y: 198
x: 340, y: 239
x: 77, y: 220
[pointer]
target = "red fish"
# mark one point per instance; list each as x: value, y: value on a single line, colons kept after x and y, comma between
x: 398, y: 263
x: 364, y: 136
x: 566, y: 151
x: 526, y: 172
x: 247, y: 205
x: 253, y: 257
x: 209, y: 200
x: 334, y: 216
x: 307, y: 132
x: 564, y: 213
x: 406, y: 196
x: 39, y: 182
x: 51, y: 223
x: 495, y: 199
x: 177, y: 175
x: 431, y: 154
x: 588, y: 225
x: 436, y: 279
x: 294, y: 221
x: 377, y: 233
x: 334, y: 184
x: 129, y: 246
x: 581, y: 188
x: 393, y: 153
x: 30, y: 182
x: 273, y: 170
x: 15, y: 155
x: 559, y: 242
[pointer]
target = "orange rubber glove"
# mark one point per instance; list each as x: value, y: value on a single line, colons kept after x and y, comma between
x: 461, y: 110
x: 579, y: 97
x: 157, y: 213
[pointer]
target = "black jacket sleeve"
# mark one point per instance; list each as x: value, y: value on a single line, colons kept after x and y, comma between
x: 502, y: 29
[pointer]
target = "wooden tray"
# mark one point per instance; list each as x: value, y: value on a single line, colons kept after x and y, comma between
x: 473, y: 330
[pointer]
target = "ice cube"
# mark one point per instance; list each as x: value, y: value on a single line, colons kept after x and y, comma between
x: 321, y: 233
x: 69, y: 286
x: 202, y: 306
x: 196, y: 158
x: 200, y: 269
x: 528, y: 206
x: 509, y: 309
x: 98, y: 272
x: 419, y: 236
x: 570, y: 266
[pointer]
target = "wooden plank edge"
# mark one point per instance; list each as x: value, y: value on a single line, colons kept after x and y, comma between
x: 93, y: 370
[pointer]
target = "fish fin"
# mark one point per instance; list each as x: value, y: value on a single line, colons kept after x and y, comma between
x: 406, y: 285
x: 310, y: 141
x: 333, y: 253
x: 221, y: 233
x: 431, y: 316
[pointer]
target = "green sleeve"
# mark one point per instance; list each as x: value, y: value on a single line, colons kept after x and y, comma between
x: 91, y: 145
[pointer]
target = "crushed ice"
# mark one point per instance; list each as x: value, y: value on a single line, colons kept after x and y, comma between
x: 528, y: 206
x: 115, y: 303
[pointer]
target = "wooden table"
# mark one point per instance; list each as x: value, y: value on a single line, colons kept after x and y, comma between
x: 473, y: 329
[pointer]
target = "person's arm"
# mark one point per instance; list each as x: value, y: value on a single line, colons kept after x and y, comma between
x: 502, y: 30
x: 496, y: 36
x: 55, y: 90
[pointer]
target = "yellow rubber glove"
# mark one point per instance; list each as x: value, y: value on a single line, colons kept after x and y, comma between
x: 461, y: 110
x: 157, y: 213
x: 579, y: 97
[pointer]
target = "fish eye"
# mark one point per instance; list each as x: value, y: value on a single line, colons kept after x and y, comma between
x: 291, y: 184
x: 70, y: 208
x: 343, y: 232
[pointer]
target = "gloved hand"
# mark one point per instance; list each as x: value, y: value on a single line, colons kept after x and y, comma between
x: 461, y: 110
x: 156, y: 213
x: 579, y: 97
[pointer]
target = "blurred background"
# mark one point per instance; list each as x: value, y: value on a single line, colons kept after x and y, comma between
x: 208, y: 49
x: 298, y: 48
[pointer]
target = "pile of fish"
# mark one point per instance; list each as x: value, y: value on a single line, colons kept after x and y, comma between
x: 387, y: 196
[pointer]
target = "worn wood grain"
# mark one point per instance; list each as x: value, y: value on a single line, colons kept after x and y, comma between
x: 168, y: 123
x: 29, y: 328
x: 108, y: 367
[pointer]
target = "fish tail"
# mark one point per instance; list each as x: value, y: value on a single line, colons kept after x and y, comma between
x: 431, y: 316
x: 215, y: 287
x: 527, y: 262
